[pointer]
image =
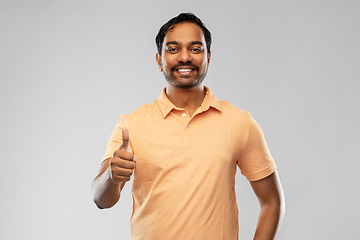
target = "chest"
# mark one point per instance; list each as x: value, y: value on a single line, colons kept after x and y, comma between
x: 176, y: 148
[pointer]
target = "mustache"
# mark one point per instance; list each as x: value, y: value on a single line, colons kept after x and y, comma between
x: 187, y: 64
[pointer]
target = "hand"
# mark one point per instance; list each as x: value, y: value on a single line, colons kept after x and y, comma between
x: 122, y: 164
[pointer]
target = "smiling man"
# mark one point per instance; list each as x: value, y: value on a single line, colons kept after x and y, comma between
x: 188, y: 145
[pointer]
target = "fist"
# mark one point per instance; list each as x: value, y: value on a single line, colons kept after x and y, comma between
x: 122, y: 164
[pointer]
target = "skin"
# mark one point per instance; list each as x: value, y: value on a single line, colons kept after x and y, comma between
x: 272, y: 206
x: 113, y: 174
x: 185, y: 45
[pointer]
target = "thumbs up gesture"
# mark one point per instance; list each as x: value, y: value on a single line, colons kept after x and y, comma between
x: 122, y: 164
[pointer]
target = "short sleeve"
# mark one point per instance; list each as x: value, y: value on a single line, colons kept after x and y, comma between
x: 116, y: 138
x: 256, y: 161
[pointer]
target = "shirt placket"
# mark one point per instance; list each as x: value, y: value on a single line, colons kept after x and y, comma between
x: 185, y: 116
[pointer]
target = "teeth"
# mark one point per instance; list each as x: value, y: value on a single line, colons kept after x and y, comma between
x: 184, y: 70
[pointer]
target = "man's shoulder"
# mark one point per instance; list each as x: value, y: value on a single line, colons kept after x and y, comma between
x: 145, y: 109
x: 231, y: 109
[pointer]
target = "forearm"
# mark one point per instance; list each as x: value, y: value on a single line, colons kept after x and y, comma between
x: 106, y: 192
x: 269, y: 222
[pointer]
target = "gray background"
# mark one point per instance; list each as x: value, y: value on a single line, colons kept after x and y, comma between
x: 70, y: 68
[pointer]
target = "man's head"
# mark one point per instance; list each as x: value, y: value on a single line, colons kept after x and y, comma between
x: 182, y: 17
x: 184, y: 51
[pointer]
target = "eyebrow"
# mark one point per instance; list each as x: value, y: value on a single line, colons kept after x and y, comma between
x: 176, y: 43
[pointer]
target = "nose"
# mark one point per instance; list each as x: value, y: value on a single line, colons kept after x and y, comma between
x: 184, y: 56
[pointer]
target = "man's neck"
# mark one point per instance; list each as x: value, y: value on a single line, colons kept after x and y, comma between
x: 189, y: 99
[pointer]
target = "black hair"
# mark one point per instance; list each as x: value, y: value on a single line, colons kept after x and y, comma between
x: 182, y: 17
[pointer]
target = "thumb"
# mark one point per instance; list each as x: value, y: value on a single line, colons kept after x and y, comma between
x: 125, y: 139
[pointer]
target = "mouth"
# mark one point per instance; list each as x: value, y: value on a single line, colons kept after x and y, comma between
x: 184, y: 70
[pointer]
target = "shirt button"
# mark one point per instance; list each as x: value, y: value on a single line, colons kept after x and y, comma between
x: 184, y: 114
x: 189, y: 125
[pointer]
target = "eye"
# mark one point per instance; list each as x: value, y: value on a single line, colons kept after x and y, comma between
x: 197, y: 50
x: 171, y: 50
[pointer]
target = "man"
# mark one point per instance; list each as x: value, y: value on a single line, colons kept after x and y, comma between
x: 188, y: 145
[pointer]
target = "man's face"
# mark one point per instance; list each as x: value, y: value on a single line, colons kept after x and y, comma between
x: 184, y: 59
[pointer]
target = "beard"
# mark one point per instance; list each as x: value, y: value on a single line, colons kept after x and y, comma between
x: 196, y: 80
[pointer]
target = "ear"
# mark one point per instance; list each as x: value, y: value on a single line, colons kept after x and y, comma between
x: 158, y: 60
x: 209, y: 57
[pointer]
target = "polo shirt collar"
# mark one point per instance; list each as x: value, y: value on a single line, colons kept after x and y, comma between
x: 166, y: 106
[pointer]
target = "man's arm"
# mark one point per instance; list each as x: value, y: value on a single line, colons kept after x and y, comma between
x: 114, y: 172
x: 106, y: 192
x: 271, y: 198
